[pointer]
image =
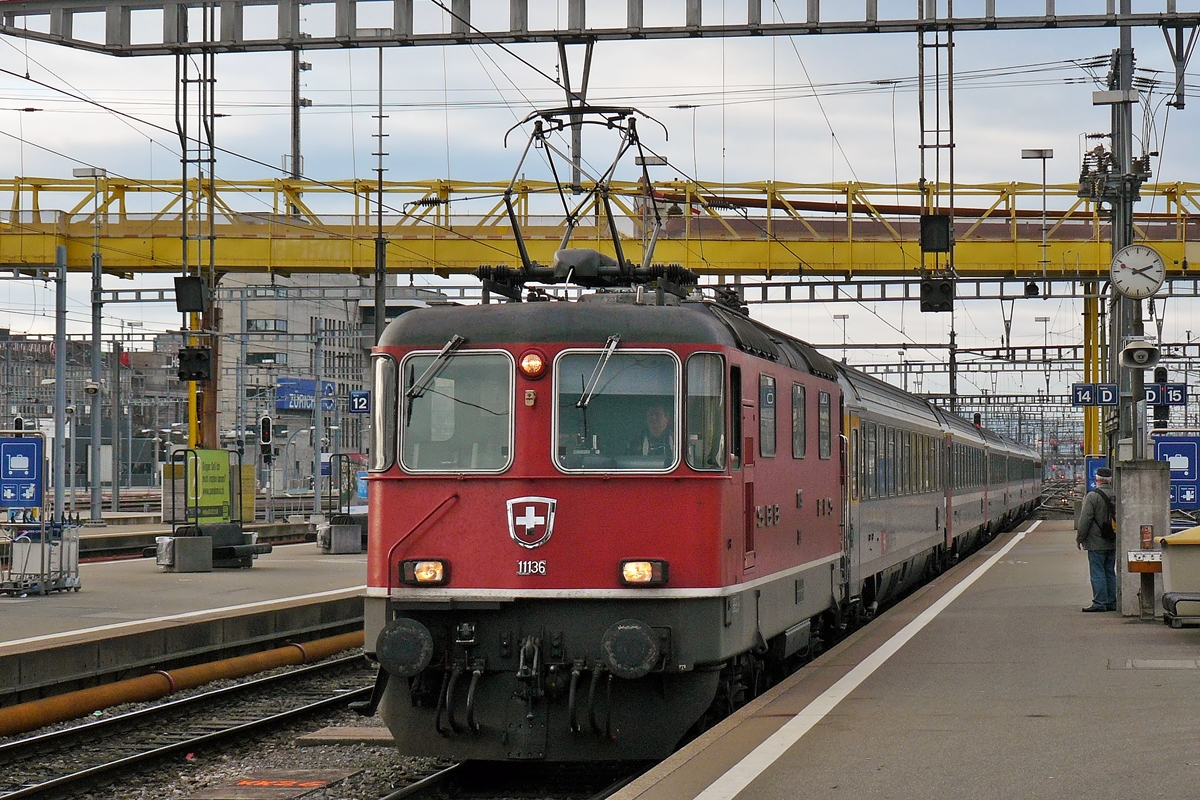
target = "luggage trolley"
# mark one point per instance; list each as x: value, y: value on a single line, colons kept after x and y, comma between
x: 37, y: 556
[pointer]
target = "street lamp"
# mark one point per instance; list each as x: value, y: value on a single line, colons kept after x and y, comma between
x: 95, y: 173
x: 842, y: 319
x: 1042, y: 155
x: 1046, y: 358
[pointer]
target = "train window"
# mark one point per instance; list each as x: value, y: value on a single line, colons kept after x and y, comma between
x: 799, y: 420
x: 855, y: 462
x: 616, y: 410
x: 869, y: 487
x: 766, y: 415
x: 705, y: 411
x: 383, y: 414
x: 906, y: 462
x: 890, y: 463
x: 824, y: 425
x: 460, y: 419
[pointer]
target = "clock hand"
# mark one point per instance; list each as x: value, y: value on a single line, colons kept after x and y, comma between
x: 1143, y: 270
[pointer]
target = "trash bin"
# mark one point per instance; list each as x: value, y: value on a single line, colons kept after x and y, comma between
x: 1181, y: 578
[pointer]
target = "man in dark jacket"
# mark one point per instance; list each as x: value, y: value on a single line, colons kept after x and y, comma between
x: 1092, y: 533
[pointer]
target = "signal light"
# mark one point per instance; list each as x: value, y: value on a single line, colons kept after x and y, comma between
x: 935, y: 233
x: 264, y: 430
x: 195, y: 364
x: 937, y: 294
x: 1160, y: 374
x: 532, y: 364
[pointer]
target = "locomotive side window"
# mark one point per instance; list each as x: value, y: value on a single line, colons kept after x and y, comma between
x: 616, y: 410
x: 735, y: 417
x: 383, y: 414
x: 460, y: 419
x: 824, y: 425
x: 766, y: 415
x: 799, y: 420
x: 705, y: 412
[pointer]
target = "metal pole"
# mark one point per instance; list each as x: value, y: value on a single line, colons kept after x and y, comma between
x: 116, y: 427
x: 95, y: 517
x: 60, y: 378
x: 318, y: 413
x: 380, y: 242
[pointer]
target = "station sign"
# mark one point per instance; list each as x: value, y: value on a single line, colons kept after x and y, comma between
x: 1106, y: 394
x: 21, y: 475
x: 1182, y: 454
x: 296, y: 394
x: 360, y: 401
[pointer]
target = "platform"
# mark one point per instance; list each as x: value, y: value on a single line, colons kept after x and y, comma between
x: 131, y: 615
x: 987, y: 683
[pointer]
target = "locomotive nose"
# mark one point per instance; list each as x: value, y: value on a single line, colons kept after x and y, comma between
x: 404, y: 647
x: 631, y: 649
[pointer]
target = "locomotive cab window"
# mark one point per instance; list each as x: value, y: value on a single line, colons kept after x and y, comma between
x: 705, y: 412
x: 383, y: 414
x: 456, y: 413
x: 616, y: 411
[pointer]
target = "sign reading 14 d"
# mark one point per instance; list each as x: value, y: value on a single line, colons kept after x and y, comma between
x: 1106, y: 394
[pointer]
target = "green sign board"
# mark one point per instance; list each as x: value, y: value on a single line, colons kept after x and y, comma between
x: 208, y: 489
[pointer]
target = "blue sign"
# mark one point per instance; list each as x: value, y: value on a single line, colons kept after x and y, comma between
x: 21, y: 472
x: 1182, y: 453
x: 361, y: 485
x: 360, y: 401
x: 1091, y: 464
x: 296, y: 394
x: 1175, y: 394
x: 1083, y: 394
x: 1155, y: 394
x: 1106, y: 394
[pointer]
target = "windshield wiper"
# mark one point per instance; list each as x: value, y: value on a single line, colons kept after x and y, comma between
x: 421, y: 385
x: 589, y: 391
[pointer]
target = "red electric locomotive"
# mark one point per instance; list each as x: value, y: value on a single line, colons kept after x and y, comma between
x: 597, y: 525
x: 592, y: 521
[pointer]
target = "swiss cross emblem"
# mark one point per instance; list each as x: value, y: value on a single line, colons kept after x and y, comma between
x: 531, y: 520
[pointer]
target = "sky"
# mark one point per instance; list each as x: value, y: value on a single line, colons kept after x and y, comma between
x: 807, y: 109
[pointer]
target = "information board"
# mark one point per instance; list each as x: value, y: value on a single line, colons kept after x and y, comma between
x: 1182, y: 454
x: 208, y: 489
x: 21, y: 475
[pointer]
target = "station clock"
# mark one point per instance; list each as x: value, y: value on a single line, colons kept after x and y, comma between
x: 1138, y: 271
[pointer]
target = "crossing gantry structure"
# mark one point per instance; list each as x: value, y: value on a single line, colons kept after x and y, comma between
x: 766, y: 229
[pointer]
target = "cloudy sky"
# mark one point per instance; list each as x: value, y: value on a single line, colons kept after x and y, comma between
x: 807, y: 109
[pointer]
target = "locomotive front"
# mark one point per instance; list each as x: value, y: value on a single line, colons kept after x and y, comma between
x: 549, y: 502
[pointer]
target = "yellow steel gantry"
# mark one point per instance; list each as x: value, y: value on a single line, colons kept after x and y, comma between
x: 446, y: 227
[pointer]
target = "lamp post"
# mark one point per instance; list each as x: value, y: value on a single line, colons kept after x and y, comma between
x: 842, y: 319
x: 95, y: 173
x: 1045, y: 358
x: 1043, y: 155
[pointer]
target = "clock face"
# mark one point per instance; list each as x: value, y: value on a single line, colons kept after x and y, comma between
x: 1138, y: 271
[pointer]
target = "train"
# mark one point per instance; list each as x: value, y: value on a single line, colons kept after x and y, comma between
x: 555, y: 574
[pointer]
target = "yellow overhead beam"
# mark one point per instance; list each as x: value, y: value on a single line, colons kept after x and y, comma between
x: 763, y: 228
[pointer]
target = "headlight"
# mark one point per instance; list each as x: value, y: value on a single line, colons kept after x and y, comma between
x: 643, y: 573
x: 425, y: 572
x: 532, y: 364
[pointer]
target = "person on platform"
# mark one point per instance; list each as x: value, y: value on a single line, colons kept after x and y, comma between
x: 1095, y: 532
x: 656, y: 437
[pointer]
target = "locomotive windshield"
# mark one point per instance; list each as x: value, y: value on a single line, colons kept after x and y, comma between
x: 461, y: 419
x: 630, y: 421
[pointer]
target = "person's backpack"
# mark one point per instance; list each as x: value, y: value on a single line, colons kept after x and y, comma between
x: 1109, y: 529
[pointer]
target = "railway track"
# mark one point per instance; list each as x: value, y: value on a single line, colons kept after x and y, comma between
x: 56, y: 764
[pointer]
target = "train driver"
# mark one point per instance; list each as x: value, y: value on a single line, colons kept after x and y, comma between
x: 657, y: 436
